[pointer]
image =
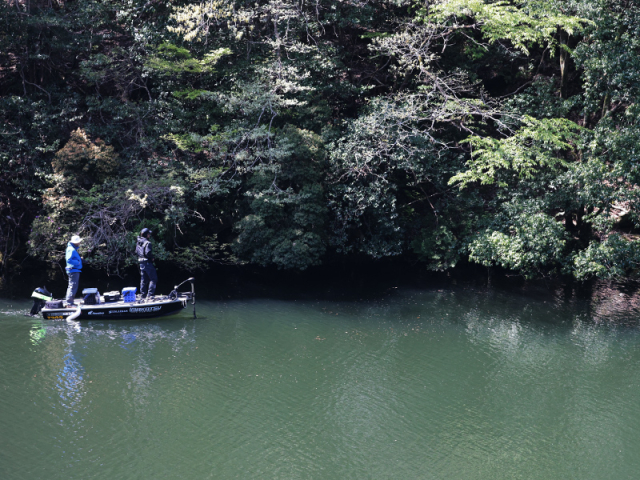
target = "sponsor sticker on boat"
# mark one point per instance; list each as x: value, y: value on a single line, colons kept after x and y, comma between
x: 59, y: 315
x: 144, y: 309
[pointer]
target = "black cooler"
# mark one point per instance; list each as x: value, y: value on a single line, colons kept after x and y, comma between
x: 112, y: 296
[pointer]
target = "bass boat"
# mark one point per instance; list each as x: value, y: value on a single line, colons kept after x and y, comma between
x: 112, y: 305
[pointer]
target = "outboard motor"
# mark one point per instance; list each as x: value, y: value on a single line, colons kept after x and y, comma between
x: 40, y: 296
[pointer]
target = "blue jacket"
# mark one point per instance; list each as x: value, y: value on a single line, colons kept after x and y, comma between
x: 74, y: 262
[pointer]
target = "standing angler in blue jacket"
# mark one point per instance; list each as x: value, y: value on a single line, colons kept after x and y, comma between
x: 74, y: 267
x: 148, y: 275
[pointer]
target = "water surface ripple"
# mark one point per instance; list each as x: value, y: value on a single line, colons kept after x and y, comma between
x: 420, y: 384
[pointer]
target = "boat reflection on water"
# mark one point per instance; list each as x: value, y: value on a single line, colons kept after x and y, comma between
x: 177, y: 333
x: 75, y: 352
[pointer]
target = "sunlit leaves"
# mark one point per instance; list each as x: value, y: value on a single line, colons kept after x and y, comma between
x: 85, y: 161
x: 194, y: 21
x: 529, y: 245
x: 616, y: 257
x: 538, y: 144
x: 523, y: 24
x: 173, y: 60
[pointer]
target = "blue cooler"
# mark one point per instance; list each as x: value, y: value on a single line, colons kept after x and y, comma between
x: 129, y: 294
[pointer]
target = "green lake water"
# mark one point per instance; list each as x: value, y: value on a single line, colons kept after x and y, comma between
x: 413, y: 384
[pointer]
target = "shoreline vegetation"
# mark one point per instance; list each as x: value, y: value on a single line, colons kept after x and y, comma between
x: 449, y: 139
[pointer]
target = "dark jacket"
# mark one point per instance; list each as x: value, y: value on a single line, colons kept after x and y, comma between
x: 143, y: 249
x: 74, y: 262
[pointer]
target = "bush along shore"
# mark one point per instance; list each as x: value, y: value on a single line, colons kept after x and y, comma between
x: 287, y: 136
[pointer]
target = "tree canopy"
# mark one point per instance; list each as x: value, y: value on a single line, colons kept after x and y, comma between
x: 289, y: 133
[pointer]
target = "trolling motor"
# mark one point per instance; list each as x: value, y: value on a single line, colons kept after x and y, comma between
x: 190, y: 295
x: 40, y: 297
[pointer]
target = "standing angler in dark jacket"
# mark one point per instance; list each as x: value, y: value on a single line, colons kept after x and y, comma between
x: 148, y: 275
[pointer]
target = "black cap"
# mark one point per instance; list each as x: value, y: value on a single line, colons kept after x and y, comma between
x: 144, y: 231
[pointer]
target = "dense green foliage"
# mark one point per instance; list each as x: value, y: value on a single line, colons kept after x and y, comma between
x: 287, y: 133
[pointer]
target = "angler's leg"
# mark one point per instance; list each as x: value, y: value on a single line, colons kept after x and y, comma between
x: 144, y: 280
x: 153, y: 279
x: 72, y: 289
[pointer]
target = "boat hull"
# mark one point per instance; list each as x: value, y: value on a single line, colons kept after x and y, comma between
x: 118, y: 310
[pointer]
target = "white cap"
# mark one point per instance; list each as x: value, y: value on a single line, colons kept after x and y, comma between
x: 76, y: 239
